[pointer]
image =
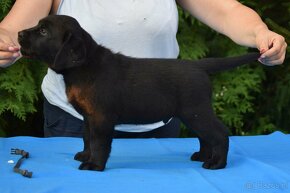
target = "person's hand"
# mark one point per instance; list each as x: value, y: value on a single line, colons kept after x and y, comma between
x: 9, y: 52
x: 272, y: 47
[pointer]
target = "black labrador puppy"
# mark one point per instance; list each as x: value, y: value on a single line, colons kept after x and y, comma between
x: 110, y: 89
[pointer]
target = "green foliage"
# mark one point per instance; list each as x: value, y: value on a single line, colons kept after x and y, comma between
x: 5, y: 7
x: 191, y: 42
x: 273, y: 112
x: 18, y: 89
x: 234, y: 94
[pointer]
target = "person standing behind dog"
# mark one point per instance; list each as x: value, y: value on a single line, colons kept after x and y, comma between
x: 135, y: 28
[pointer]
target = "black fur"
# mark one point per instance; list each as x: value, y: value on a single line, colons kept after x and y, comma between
x: 109, y: 89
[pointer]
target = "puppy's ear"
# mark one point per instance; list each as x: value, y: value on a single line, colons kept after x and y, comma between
x: 71, y: 54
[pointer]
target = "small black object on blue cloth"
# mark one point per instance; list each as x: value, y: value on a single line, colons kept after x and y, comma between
x: 16, y: 168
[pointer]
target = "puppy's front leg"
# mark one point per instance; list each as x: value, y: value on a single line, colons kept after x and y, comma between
x: 101, y: 136
x: 85, y: 154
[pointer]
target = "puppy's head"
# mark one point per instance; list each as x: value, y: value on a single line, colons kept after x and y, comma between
x: 57, y: 40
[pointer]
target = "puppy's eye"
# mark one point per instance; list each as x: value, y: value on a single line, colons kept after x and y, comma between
x: 43, y: 31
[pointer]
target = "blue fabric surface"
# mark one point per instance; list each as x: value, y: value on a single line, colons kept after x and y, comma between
x: 255, y: 164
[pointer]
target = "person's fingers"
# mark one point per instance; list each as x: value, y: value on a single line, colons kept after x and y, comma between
x: 272, y: 47
x: 6, y: 63
x: 8, y: 54
x: 275, y: 47
x: 274, y: 56
x: 263, y: 46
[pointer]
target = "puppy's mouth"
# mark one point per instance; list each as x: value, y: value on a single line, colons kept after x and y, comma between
x: 26, y: 53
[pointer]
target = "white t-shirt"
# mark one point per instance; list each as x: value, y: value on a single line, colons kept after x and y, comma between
x: 137, y: 28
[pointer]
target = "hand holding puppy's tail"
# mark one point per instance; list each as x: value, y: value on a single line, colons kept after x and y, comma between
x: 212, y: 65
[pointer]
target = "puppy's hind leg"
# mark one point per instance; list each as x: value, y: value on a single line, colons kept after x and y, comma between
x: 212, y: 134
x: 204, y: 153
x: 220, y: 148
x: 101, y: 136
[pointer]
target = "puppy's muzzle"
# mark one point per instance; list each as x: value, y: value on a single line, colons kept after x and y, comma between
x: 23, y: 41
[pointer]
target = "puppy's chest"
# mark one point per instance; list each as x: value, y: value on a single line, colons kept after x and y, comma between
x: 80, y: 98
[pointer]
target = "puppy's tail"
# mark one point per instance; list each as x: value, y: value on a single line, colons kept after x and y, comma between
x: 212, y: 65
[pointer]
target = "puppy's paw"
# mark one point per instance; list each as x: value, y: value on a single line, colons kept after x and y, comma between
x: 91, y: 166
x: 199, y: 156
x: 82, y: 156
x: 214, y: 164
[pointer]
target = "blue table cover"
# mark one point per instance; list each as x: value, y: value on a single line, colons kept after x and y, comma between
x: 255, y: 164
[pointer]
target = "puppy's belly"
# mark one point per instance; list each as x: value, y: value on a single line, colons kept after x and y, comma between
x: 143, y: 119
x: 145, y: 113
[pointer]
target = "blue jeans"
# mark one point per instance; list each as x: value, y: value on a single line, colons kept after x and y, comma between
x: 58, y: 123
